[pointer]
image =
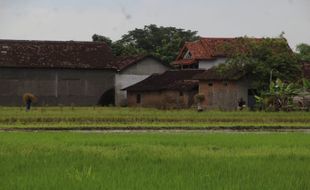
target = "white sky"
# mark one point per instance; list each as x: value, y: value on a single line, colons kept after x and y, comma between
x: 80, y: 19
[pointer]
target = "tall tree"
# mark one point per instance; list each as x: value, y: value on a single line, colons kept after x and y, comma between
x: 100, y: 38
x: 263, y: 60
x: 303, y: 52
x: 163, y: 42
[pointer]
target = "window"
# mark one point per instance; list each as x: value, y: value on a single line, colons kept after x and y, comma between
x: 210, y: 84
x: 181, y: 93
x: 188, y: 55
x: 138, y: 98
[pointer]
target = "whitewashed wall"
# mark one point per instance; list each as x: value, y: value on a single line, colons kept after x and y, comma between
x: 135, y: 74
x: 207, y: 64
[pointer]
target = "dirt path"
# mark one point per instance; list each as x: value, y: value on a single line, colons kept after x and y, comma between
x: 161, y: 129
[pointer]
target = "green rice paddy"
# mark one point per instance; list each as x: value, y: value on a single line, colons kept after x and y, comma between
x: 133, y: 161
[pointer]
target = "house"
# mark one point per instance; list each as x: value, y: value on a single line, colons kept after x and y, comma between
x: 133, y: 69
x: 172, y: 89
x: 206, y: 53
x: 224, y: 90
x: 203, y: 53
x: 67, y: 72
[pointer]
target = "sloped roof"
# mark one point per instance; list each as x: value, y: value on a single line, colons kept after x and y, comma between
x: 170, y: 80
x: 123, y: 62
x: 215, y: 74
x: 211, y: 48
x: 55, y: 54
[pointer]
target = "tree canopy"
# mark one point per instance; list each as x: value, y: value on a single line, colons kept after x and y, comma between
x: 163, y: 42
x: 263, y: 60
x: 303, y: 52
x: 100, y: 38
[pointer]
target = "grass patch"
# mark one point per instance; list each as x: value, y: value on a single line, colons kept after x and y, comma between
x: 142, y: 117
x: 154, y: 161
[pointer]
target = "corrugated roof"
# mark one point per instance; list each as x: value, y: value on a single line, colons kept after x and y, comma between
x: 170, y: 80
x: 55, y: 54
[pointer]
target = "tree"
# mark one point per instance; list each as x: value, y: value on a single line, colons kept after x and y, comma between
x: 303, y: 52
x: 163, y: 42
x: 263, y: 60
x: 99, y: 38
x: 279, y: 96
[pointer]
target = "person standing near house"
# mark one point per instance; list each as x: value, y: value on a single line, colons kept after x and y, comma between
x: 241, y: 104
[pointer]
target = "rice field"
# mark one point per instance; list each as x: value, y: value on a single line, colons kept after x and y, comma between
x: 133, y: 161
x: 62, y: 117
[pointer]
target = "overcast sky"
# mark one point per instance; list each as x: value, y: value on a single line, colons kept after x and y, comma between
x: 80, y: 19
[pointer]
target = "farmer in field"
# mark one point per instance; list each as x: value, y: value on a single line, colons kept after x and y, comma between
x: 28, y: 99
x: 241, y: 104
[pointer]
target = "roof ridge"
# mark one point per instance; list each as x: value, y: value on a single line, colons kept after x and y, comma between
x: 218, y: 38
x: 50, y: 41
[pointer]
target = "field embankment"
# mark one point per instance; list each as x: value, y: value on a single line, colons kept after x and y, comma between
x: 128, y: 118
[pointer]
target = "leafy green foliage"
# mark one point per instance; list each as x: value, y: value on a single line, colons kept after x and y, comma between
x: 279, y: 97
x: 99, y: 38
x: 306, y: 85
x: 262, y: 59
x: 303, y: 52
x: 163, y: 42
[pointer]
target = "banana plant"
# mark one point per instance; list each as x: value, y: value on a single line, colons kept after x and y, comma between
x: 279, y: 97
x: 306, y: 85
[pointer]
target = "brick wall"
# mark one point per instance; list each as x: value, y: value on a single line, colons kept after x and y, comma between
x: 223, y: 94
x: 163, y: 100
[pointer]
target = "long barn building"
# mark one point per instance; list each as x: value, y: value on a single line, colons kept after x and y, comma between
x: 66, y: 73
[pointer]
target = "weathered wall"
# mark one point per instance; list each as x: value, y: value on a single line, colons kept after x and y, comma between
x: 221, y: 96
x: 163, y: 100
x: 147, y: 66
x: 54, y: 86
x: 135, y: 74
x: 203, y: 64
x: 123, y: 81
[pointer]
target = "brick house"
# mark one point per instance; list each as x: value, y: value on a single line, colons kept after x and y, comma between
x: 67, y: 72
x: 172, y: 89
x: 203, y: 53
x: 206, y: 53
x: 224, y: 90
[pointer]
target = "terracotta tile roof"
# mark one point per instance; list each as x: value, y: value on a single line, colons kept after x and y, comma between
x: 123, y: 62
x: 55, y: 54
x: 170, y: 80
x: 210, y: 48
x: 214, y: 74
